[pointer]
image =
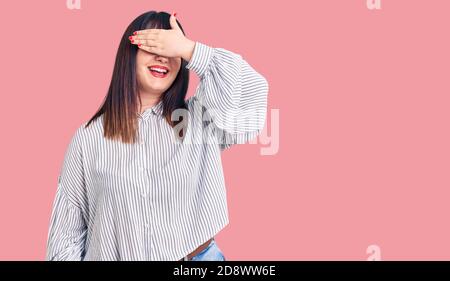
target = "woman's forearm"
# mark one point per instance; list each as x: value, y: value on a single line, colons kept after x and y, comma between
x: 188, y: 50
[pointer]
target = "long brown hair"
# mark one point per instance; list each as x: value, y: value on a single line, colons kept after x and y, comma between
x: 120, y: 106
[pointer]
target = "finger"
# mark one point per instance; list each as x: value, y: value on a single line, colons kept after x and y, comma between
x: 151, y: 49
x: 147, y: 31
x: 143, y: 36
x: 148, y: 42
x: 173, y: 22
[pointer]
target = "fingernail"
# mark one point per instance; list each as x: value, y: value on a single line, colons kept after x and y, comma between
x: 174, y: 14
x: 131, y: 37
x: 132, y: 41
x: 139, y: 44
x: 134, y: 33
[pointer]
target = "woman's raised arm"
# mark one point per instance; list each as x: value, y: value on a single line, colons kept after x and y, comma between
x: 232, y: 92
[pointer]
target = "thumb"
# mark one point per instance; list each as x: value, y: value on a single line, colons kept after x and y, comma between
x: 173, y: 22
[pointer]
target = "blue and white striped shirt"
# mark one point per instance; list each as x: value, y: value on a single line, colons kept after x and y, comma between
x: 158, y: 199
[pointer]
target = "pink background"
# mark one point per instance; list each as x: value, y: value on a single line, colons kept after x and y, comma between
x: 363, y: 97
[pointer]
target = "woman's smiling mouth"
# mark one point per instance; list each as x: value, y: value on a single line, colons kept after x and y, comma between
x: 158, y: 71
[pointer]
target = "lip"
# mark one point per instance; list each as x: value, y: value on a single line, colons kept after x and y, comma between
x: 160, y: 66
x: 157, y: 74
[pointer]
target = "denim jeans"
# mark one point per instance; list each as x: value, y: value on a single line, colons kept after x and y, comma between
x: 211, y: 253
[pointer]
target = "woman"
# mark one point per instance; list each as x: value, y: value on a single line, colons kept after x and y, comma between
x: 143, y: 179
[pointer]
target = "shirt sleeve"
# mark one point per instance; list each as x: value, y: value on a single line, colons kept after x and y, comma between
x: 233, y: 94
x: 67, y: 232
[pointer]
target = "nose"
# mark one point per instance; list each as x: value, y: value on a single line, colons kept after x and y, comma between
x: 161, y: 59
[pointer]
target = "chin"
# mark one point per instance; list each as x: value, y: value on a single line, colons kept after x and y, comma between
x: 157, y: 90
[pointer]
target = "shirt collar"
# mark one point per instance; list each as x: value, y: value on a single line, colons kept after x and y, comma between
x: 157, y: 110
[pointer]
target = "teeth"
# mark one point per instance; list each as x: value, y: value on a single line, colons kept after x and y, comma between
x: 158, y: 70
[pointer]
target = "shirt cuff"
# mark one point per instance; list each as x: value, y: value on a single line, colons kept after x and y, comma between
x: 200, y: 59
